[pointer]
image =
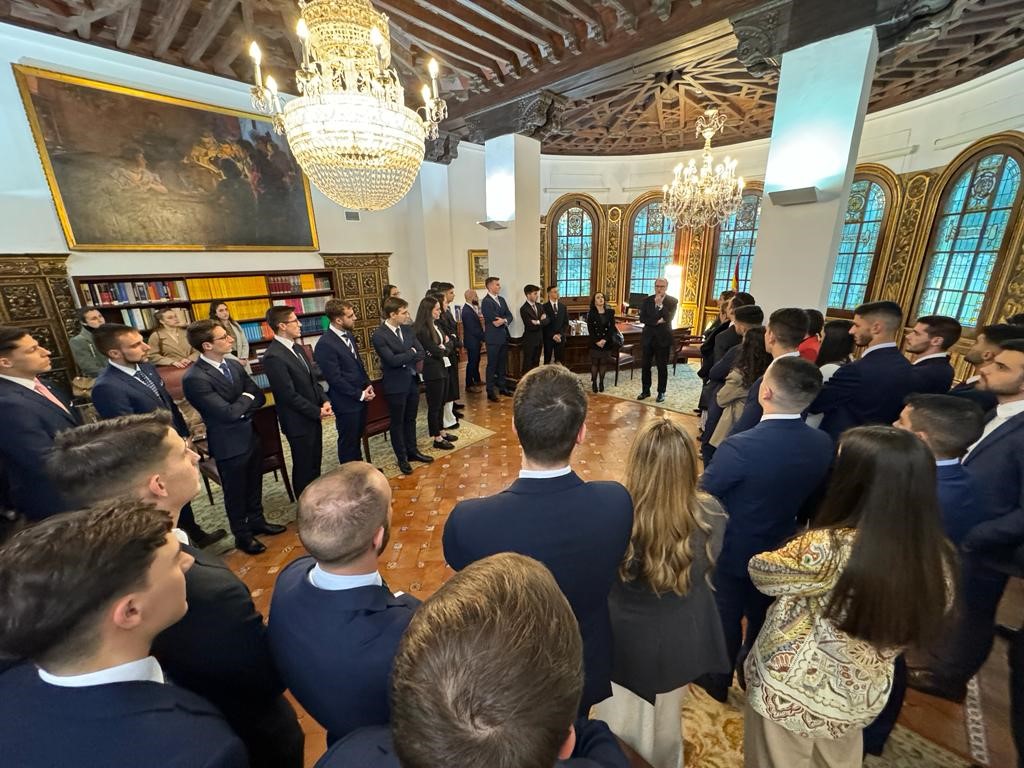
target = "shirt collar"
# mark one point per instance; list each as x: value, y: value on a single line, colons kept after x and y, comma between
x: 544, y: 474
x: 141, y: 670
x: 931, y: 357
x: 208, y: 361
x: 334, y: 582
x: 288, y: 343
x: 130, y: 370
x: 780, y: 416
x: 342, y: 334
x: 1008, y: 410
x: 883, y: 345
x: 26, y: 383
x: 946, y: 462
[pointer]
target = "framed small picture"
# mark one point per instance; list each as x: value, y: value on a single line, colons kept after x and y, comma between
x: 478, y: 268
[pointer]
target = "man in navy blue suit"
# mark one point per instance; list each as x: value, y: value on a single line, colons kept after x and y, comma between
x: 128, y: 384
x: 472, y: 338
x: 488, y: 674
x: 871, y: 389
x: 656, y: 314
x: 84, y: 596
x: 400, y: 356
x: 579, y: 530
x: 334, y: 624
x: 226, y: 397
x: 930, y: 340
x: 766, y: 478
x: 987, y: 344
x: 996, y: 464
x: 31, y: 414
x: 348, y: 384
x: 497, y: 316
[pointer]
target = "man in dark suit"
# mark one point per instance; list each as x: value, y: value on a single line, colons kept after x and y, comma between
x: 226, y: 397
x: 31, y: 414
x: 502, y: 613
x: 987, y: 344
x: 871, y: 389
x: 719, y: 341
x: 579, y: 530
x: 400, y: 354
x: 656, y: 315
x: 996, y: 464
x: 720, y: 323
x: 930, y: 340
x: 472, y: 338
x: 348, y: 384
x: 334, y: 624
x: 557, y: 327
x: 128, y: 384
x: 497, y: 316
x: 766, y: 478
x: 84, y: 596
x: 730, y: 337
x: 301, y: 402
x: 219, y: 649
x: 535, y: 320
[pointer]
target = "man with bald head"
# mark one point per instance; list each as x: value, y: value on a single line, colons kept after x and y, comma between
x: 472, y: 338
x: 334, y: 624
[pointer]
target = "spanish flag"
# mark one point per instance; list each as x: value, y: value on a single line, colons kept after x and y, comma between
x: 736, y: 275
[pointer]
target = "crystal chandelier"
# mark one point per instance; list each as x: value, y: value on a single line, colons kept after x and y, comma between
x: 349, y: 128
x: 698, y: 198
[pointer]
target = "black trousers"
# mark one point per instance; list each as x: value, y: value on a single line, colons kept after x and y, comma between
x: 350, y: 431
x: 554, y: 349
x: 531, y: 345
x: 736, y: 598
x: 497, y: 362
x: 472, y: 362
x: 241, y: 478
x: 659, y: 355
x: 187, y: 521
x: 307, y: 456
x: 451, y: 392
x: 436, y: 391
x: 402, y: 409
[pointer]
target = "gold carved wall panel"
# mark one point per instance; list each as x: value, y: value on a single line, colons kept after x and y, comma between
x: 361, y: 278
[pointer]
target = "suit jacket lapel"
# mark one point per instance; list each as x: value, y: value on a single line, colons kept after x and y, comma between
x: 136, y: 383
x: 220, y: 381
x: 999, y: 433
x: 31, y: 396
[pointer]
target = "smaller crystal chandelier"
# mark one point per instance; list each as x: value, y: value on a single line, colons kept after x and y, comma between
x: 349, y: 128
x: 698, y: 198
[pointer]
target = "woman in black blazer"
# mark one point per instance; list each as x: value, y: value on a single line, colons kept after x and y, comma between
x: 438, y: 346
x: 603, y: 346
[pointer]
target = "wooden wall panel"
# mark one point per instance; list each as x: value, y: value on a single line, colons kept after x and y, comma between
x: 361, y: 278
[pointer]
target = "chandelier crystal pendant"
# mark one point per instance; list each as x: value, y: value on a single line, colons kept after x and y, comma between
x: 349, y: 127
x: 708, y: 195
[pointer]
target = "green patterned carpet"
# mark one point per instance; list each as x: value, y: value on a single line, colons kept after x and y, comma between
x: 682, y: 393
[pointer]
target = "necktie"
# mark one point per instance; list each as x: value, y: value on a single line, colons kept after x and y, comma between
x: 148, y: 383
x: 42, y: 389
x: 226, y: 371
x: 302, y: 358
x: 348, y: 343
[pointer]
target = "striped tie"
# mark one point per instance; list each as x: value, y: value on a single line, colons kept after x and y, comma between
x: 148, y: 383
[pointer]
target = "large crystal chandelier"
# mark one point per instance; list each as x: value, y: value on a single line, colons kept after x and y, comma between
x: 349, y: 128
x: 697, y: 198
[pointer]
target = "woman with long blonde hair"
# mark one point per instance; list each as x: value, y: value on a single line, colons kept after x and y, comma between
x: 665, y: 624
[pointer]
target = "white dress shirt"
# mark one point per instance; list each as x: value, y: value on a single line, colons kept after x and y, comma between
x: 780, y: 416
x: 946, y: 462
x: 930, y: 357
x: 208, y: 361
x: 1004, y: 412
x: 26, y: 383
x: 141, y: 670
x: 334, y: 582
x: 544, y: 474
x: 288, y: 343
x: 883, y: 345
x: 131, y: 370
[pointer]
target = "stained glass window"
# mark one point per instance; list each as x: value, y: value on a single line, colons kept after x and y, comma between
x: 652, y: 241
x: 574, y: 249
x: 734, y: 251
x: 865, y: 214
x: 967, y: 238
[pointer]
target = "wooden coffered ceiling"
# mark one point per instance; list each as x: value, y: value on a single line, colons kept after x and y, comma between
x: 588, y: 77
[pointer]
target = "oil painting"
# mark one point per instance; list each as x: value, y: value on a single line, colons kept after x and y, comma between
x: 478, y: 268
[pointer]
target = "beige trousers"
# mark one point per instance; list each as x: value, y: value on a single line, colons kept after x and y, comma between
x: 767, y: 744
x: 654, y: 732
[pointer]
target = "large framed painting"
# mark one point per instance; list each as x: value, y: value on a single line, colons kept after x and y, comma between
x: 132, y: 170
x: 478, y: 269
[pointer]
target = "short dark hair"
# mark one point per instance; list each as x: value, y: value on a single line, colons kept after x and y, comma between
x: 726, y: 295
x: 335, y: 308
x: 530, y: 288
x: 548, y: 409
x: 1000, y: 333
x: 445, y: 287
x: 952, y: 424
x: 940, y: 325
x: 213, y: 308
x: 83, y: 311
x: 9, y: 338
x: 57, y: 577
x: 393, y: 304
x: 742, y: 299
x: 815, y: 322
x: 1012, y: 345
x: 491, y: 279
x: 108, y: 336
x: 749, y: 314
x: 278, y: 315
x: 489, y: 671
x: 789, y: 325
x: 889, y: 311
x: 550, y: 288
x: 387, y: 291
x: 1017, y: 319
x: 795, y: 380
x: 200, y: 332
x: 340, y: 512
x: 433, y: 286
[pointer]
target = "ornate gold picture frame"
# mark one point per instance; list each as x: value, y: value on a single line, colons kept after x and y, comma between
x: 478, y: 268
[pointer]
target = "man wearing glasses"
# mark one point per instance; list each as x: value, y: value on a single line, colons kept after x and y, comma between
x: 656, y: 314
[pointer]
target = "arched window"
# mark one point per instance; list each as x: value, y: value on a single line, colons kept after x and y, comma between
x: 858, y: 248
x: 734, y: 246
x: 651, y: 243
x: 574, y: 251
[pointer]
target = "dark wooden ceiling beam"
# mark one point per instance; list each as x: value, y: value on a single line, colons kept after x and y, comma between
x: 486, y: 66
x: 209, y: 26
x: 484, y: 24
x: 166, y: 24
x: 127, y: 20
x: 627, y: 13
x: 663, y: 8
x: 552, y: 46
x: 595, y: 26
x: 542, y: 14
x: 230, y: 50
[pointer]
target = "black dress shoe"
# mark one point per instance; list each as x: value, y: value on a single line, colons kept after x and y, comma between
x: 443, y: 445
x: 456, y: 425
x: 421, y: 457
x: 450, y: 438
x: 250, y: 545
x: 493, y: 397
x: 508, y: 392
x: 660, y: 398
x: 643, y: 395
x: 405, y: 467
x: 459, y: 406
x: 600, y: 386
x: 926, y: 681
x: 202, y: 539
x: 593, y: 386
x: 267, y: 529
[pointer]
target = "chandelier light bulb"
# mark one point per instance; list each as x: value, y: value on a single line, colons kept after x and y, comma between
x: 255, y: 52
x: 376, y: 39
x: 302, y: 30
x: 432, y: 68
x: 426, y: 95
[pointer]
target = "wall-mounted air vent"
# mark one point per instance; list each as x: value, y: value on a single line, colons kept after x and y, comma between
x: 351, y: 215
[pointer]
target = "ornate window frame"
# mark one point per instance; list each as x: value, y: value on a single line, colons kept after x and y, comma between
x: 598, y: 243
x: 629, y: 219
x: 713, y: 243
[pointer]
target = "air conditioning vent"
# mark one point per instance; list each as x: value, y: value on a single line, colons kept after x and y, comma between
x: 351, y: 215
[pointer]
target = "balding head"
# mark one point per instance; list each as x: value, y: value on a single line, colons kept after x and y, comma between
x: 470, y: 295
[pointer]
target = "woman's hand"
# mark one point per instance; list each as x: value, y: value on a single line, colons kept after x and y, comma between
x: 601, y: 343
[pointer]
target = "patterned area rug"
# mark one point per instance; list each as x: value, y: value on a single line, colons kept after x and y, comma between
x: 713, y: 735
x: 682, y: 393
x: 279, y: 509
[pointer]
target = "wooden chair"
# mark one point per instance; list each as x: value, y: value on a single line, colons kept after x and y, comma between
x: 624, y: 359
x: 687, y: 347
x: 378, y: 418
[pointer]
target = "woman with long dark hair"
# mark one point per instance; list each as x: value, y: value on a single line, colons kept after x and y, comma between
x: 438, y: 346
x: 751, y: 363
x: 872, y: 576
x: 603, y: 337
x: 220, y: 312
x: 836, y: 350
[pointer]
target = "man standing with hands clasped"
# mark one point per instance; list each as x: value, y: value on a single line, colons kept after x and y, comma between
x: 497, y: 316
x: 656, y: 314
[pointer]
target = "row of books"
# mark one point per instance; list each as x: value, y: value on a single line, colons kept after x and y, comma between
x: 261, y: 380
x: 257, y: 331
x: 136, y: 292
x: 200, y: 288
x: 249, y: 309
x: 143, y: 319
x: 301, y: 283
x: 304, y: 305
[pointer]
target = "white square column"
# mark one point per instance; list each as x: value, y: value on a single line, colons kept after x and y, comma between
x: 429, y: 232
x: 823, y: 95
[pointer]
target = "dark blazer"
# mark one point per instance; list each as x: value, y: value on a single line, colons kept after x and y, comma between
x: 540, y: 312
x: 870, y: 390
x: 447, y: 323
x: 493, y: 308
x: 436, y: 353
x: 707, y: 347
x: 764, y: 477
x: 558, y: 322
x: 398, y: 358
x: 335, y: 649
x: 472, y: 330
x: 115, y: 393
x: 986, y: 400
x: 297, y: 394
x: 997, y: 467
x: 653, y: 333
x: 344, y: 372
x: 130, y: 725
x: 29, y: 423
x: 933, y: 376
x: 601, y: 330
x: 220, y: 402
x: 578, y: 530
x: 728, y: 338
x: 961, y: 502
x: 596, y: 747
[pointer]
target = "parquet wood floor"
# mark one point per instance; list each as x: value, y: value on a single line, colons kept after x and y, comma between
x: 415, y: 563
